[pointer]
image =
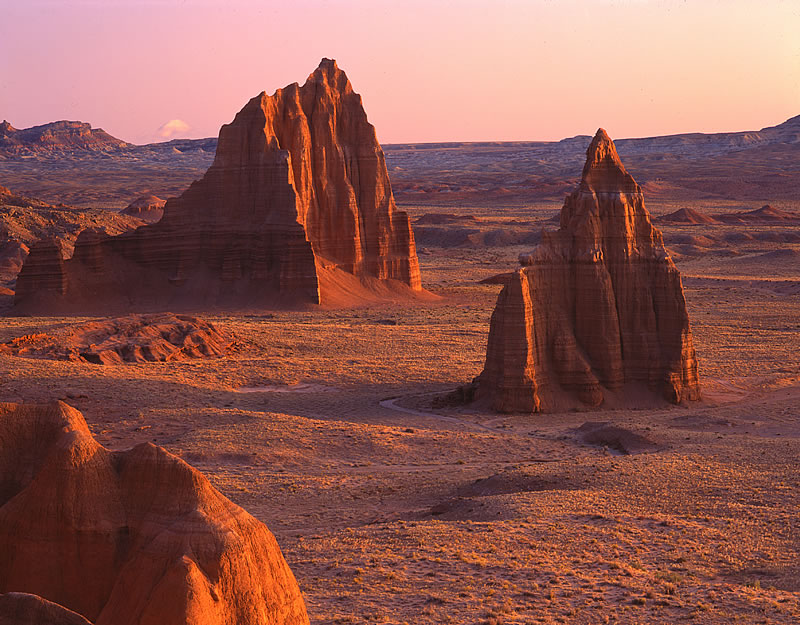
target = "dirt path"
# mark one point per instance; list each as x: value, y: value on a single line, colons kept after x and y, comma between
x: 391, y: 404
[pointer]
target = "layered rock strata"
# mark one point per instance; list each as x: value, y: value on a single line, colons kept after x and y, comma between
x: 597, y: 314
x: 129, y: 538
x: 24, y: 221
x: 298, y: 189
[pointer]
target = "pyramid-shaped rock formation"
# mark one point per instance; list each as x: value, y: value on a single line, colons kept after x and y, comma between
x: 128, y: 538
x: 298, y: 194
x: 597, y: 314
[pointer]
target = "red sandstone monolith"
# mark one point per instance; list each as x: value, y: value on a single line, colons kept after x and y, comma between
x: 297, y: 194
x: 596, y: 315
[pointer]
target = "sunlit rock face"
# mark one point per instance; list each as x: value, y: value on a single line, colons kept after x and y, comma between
x: 136, y: 537
x: 596, y: 315
x: 298, y: 189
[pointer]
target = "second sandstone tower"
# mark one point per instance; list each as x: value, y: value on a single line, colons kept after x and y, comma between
x: 597, y: 314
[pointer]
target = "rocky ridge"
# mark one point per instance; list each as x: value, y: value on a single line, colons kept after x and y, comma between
x: 56, y: 137
x: 157, y: 337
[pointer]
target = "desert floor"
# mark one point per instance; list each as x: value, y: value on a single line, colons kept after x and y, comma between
x: 324, y: 425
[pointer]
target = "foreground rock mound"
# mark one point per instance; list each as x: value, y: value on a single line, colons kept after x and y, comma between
x: 597, y: 313
x: 159, y: 337
x: 19, y: 608
x: 129, y: 538
x: 298, y: 193
x: 619, y: 439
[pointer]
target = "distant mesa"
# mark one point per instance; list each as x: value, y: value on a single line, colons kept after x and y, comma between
x: 146, y: 207
x: 297, y: 208
x: 157, y: 337
x: 596, y: 316
x: 55, y: 137
x: 126, y: 538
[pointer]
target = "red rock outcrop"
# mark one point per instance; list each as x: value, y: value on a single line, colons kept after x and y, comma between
x: 298, y: 190
x: 596, y: 315
x: 24, y: 221
x: 129, y: 538
x: 147, y: 207
x: 161, y: 337
x: 42, y: 273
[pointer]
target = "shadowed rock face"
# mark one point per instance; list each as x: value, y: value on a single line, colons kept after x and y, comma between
x: 298, y: 188
x: 135, y: 537
x: 597, y: 312
x: 19, y: 608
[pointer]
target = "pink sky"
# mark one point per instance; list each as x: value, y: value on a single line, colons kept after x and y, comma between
x: 428, y: 70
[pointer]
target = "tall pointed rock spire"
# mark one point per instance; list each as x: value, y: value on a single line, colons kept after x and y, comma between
x: 596, y: 316
x: 604, y: 171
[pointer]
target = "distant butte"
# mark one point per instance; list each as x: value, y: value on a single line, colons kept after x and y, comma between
x: 596, y: 316
x: 296, y: 208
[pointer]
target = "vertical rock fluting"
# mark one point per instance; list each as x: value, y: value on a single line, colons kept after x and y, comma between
x: 298, y: 187
x: 597, y: 314
x: 133, y: 537
x: 42, y: 274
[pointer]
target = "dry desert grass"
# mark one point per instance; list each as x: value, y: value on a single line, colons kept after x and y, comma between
x: 392, y: 511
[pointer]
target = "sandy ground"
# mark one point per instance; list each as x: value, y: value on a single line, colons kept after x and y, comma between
x: 390, y: 510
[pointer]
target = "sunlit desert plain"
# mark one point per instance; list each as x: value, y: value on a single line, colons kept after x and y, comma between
x: 399, y: 511
x: 393, y: 501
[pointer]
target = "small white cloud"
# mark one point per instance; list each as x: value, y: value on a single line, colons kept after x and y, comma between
x: 172, y: 128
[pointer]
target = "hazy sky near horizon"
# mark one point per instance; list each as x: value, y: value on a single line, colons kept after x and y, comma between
x: 428, y: 70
